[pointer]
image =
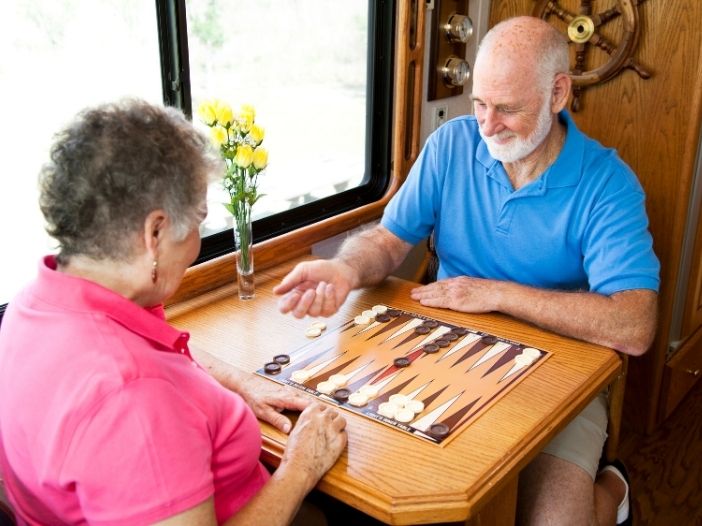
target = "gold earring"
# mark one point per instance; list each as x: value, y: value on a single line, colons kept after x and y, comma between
x: 154, y: 271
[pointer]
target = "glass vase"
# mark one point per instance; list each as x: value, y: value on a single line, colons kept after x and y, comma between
x: 244, y: 253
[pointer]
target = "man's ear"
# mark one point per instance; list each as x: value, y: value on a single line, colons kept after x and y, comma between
x: 154, y: 227
x: 561, y: 92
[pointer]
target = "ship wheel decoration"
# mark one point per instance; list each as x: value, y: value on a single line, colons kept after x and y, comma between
x: 584, y: 32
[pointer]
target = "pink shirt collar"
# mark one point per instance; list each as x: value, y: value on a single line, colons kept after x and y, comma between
x: 78, y: 294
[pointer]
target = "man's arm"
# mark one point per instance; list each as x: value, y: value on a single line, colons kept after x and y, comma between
x: 625, y: 321
x: 319, y: 288
x: 373, y: 254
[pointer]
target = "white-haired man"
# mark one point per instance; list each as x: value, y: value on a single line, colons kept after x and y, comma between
x: 530, y: 218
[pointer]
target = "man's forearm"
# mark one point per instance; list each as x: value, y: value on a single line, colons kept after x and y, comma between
x: 625, y: 321
x: 373, y: 255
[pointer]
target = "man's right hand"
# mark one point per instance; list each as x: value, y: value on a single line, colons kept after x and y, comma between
x: 316, y: 288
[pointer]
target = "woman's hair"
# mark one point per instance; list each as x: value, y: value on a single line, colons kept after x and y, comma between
x: 114, y: 165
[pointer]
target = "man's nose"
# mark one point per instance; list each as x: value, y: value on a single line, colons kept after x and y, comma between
x: 490, y: 122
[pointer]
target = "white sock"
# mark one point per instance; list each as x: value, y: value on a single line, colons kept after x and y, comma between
x: 623, y: 508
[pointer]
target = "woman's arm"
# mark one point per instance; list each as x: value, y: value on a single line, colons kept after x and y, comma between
x: 265, y: 398
x: 314, y: 445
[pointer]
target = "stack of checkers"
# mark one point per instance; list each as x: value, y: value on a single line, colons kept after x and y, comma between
x: 335, y: 387
x: 401, y: 408
x: 315, y: 329
x: 379, y: 313
x: 528, y: 356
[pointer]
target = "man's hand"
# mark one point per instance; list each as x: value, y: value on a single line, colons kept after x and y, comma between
x: 315, y: 288
x: 463, y: 294
x: 625, y: 320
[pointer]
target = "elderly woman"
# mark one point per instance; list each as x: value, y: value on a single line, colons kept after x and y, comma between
x: 104, y: 415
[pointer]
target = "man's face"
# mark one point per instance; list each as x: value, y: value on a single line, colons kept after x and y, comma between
x: 514, y: 116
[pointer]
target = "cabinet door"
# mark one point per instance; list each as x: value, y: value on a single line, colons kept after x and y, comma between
x: 692, y: 316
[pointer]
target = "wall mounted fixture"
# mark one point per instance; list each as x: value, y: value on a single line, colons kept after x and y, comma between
x: 450, y: 30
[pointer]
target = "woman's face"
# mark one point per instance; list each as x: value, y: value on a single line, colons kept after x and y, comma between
x: 177, y: 255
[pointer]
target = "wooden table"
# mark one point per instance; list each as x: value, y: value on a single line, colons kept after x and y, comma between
x: 393, y: 476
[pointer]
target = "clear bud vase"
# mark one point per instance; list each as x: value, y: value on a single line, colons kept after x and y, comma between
x: 244, y: 253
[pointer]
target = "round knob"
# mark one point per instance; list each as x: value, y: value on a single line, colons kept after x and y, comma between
x: 458, y: 28
x: 693, y: 372
x: 455, y: 71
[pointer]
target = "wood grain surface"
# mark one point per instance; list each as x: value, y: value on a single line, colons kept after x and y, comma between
x: 655, y: 126
x: 666, y: 467
x: 390, y: 475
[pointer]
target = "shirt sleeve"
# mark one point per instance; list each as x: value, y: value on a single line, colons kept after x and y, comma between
x: 618, y: 247
x: 145, y: 455
x: 412, y: 212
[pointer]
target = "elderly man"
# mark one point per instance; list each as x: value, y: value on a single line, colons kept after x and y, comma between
x: 533, y: 219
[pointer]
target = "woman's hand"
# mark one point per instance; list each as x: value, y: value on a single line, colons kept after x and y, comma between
x: 268, y: 399
x: 315, y: 443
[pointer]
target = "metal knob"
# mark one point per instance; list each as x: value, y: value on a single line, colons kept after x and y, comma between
x: 458, y: 28
x: 693, y: 372
x: 455, y: 71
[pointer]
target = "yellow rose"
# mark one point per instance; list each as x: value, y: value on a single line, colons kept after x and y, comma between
x: 246, y: 118
x: 223, y: 112
x: 207, y: 113
x: 244, y: 156
x: 248, y: 112
x: 219, y: 135
x: 256, y: 134
x: 260, y: 158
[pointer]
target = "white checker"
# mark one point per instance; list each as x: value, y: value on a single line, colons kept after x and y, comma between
x: 523, y: 361
x: 398, y: 400
x: 416, y: 406
x: 319, y: 325
x: 326, y: 387
x: 362, y: 320
x: 380, y: 309
x: 300, y: 376
x: 404, y: 415
x: 339, y: 380
x: 358, y: 399
x: 368, y: 313
x: 370, y: 391
x: 387, y: 409
x: 532, y: 353
x: 313, y: 332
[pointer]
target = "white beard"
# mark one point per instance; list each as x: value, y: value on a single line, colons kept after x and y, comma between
x: 518, y: 148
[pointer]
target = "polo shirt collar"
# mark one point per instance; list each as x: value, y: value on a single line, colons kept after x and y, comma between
x: 565, y: 171
x: 78, y: 294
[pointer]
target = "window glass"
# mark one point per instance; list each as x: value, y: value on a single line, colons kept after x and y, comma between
x: 303, y: 66
x: 59, y: 56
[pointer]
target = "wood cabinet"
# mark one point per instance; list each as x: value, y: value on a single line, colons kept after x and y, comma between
x: 655, y: 126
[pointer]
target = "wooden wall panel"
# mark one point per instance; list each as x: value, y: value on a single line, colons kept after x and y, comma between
x: 655, y: 125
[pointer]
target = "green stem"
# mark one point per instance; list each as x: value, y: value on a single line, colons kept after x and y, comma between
x: 243, y: 223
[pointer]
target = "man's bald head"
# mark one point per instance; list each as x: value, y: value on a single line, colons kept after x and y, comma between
x: 526, y: 43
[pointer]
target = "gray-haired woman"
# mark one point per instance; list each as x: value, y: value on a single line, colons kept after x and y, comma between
x: 104, y: 416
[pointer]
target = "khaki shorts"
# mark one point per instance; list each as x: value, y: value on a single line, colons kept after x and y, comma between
x: 581, y: 442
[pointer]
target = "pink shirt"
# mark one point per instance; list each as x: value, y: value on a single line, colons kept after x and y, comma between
x: 105, y: 418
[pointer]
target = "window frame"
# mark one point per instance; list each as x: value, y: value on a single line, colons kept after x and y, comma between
x: 171, y: 15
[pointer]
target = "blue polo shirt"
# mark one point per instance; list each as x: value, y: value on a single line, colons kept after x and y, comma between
x: 581, y: 225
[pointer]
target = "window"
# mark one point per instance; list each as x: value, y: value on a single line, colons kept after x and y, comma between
x: 318, y: 72
x: 319, y: 75
x: 59, y: 57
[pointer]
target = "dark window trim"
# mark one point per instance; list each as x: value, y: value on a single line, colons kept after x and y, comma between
x: 173, y: 48
x: 381, y: 22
